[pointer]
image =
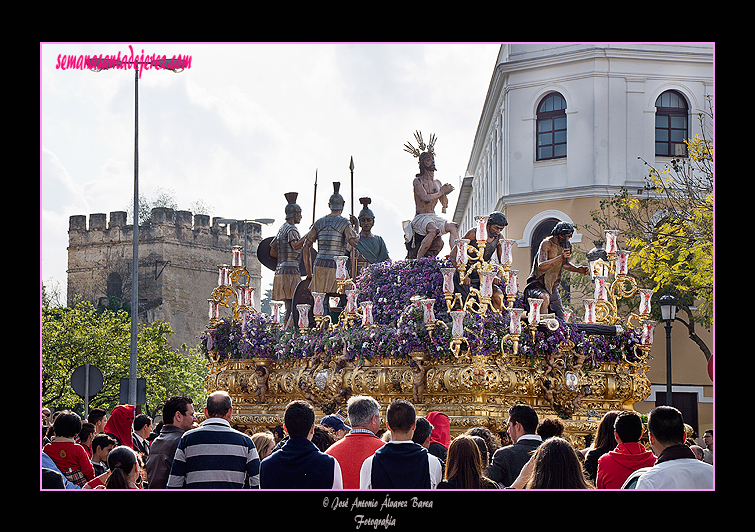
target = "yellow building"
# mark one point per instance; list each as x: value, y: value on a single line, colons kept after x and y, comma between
x: 564, y: 127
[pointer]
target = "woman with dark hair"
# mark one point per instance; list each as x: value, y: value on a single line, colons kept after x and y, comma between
x: 70, y: 457
x: 553, y: 466
x: 464, y: 469
x: 604, y: 442
x: 124, y: 469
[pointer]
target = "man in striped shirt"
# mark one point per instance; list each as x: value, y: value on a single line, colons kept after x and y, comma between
x: 214, y: 455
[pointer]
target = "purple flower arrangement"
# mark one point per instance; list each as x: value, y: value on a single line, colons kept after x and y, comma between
x: 399, y: 330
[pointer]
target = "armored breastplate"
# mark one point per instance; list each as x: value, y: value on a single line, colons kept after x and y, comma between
x: 287, y: 256
x: 331, y: 237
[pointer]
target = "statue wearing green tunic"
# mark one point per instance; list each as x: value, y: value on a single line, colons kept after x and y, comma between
x: 371, y: 248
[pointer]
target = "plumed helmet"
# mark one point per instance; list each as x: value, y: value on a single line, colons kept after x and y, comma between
x: 292, y: 207
x: 336, y: 201
x: 498, y: 218
x: 366, y: 212
x: 562, y: 228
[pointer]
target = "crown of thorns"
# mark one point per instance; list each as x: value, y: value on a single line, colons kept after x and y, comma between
x: 430, y: 146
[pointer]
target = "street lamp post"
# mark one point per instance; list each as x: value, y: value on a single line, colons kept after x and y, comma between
x: 97, y: 66
x: 668, y: 313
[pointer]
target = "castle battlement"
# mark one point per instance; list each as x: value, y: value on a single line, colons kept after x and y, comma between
x: 165, y: 223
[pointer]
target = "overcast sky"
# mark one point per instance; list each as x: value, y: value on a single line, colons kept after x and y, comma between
x: 249, y: 122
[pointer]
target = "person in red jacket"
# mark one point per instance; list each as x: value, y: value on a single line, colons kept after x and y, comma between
x: 70, y: 457
x: 615, y: 466
x: 361, y: 442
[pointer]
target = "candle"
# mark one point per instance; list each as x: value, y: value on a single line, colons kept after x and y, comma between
x: 610, y: 240
x: 319, y: 308
x: 236, y: 253
x: 512, y: 287
x: 214, y: 309
x: 367, y: 318
x: 645, y: 295
x: 351, y: 301
x: 303, y: 309
x: 622, y: 266
x: 461, y: 255
x: 275, y: 307
x: 428, y: 314
x: 515, y: 320
x: 224, y: 278
x: 448, y: 280
x: 567, y: 315
x: 341, y: 273
x: 600, y: 288
x: 482, y: 228
x: 589, y: 310
x: 647, y: 332
x: 534, y: 314
x: 486, y: 283
x: 506, y: 251
x: 457, y: 325
x: 210, y: 339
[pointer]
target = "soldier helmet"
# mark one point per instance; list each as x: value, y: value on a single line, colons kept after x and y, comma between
x: 292, y: 207
x: 365, y: 212
x: 336, y: 201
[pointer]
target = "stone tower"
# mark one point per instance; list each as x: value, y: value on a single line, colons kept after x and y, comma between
x: 179, y: 255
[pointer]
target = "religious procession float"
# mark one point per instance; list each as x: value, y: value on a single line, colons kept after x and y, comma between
x: 454, y: 334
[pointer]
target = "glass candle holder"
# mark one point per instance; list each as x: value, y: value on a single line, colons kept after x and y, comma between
x: 275, y: 309
x: 351, y: 301
x: 610, y: 240
x: 341, y: 273
x: 512, y: 286
x: 224, y: 276
x: 645, y: 295
x: 236, y: 254
x: 507, y: 246
x: 535, y: 307
x: 647, y: 332
x: 457, y: 323
x: 482, y: 228
x: 428, y: 313
x: 367, y: 318
x: 319, y: 306
x: 214, y: 313
x: 448, y: 280
x: 622, y: 262
x: 486, y: 283
x: 515, y: 320
x: 461, y: 255
x: 303, y: 309
x: 601, y: 292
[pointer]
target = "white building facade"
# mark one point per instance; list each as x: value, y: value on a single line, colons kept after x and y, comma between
x: 565, y: 126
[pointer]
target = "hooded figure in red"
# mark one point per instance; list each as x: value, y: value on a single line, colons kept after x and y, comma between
x: 120, y: 423
x: 440, y: 438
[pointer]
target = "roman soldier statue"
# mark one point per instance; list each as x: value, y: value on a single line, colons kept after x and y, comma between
x: 371, y: 248
x: 287, y: 248
x: 332, y: 232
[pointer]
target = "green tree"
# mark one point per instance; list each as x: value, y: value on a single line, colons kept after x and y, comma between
x: 86, y: 335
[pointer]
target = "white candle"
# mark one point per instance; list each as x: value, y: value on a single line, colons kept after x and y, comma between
x: 482, y: 228
x: 622, y: 264
x: 610, y: 241
x: 512, y: 287
x: 236, y: 253
x: 486, y: 283
x: 589, y: 310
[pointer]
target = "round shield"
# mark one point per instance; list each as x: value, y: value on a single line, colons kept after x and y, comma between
x: 263, y: 254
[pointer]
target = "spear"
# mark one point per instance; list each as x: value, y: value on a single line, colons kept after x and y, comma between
x: 314, y: 201
x: 351, y: 167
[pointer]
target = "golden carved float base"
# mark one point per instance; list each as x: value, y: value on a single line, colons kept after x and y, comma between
x: 471, y: 390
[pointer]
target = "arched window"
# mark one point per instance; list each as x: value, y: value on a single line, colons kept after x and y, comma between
x: 551, y: 127
x: 671, y: 119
